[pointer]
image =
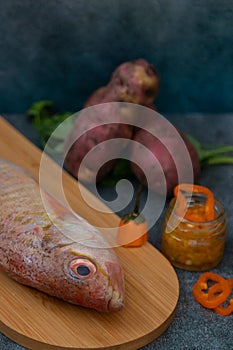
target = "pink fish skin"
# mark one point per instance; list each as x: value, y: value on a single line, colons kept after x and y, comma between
x: 39, y: 252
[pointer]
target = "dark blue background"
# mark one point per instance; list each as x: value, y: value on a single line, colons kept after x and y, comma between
x: 62, y: 50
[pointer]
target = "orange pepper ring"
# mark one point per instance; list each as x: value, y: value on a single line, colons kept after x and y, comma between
x: 209, y: 207
x: 230, y: 280
x: 218, y: 288
x: 226, y: 311
x: 211, y: 301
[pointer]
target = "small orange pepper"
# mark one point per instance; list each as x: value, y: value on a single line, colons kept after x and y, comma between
x: 194, y: 213
x: 133, y: 228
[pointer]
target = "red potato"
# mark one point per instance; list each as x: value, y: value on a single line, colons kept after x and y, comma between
x: 158, y: 147
x: 102, y: 159
x: 136, y: 82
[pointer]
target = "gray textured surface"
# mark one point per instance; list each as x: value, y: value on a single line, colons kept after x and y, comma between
x: 194, y: 328
x: 64, y: 49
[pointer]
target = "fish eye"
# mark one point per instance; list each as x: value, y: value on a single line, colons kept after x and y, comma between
x: 82, y: 268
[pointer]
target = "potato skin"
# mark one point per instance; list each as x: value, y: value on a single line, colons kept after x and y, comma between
x: 135, y: 82
x: 95, y: 136
x: 159, y: 150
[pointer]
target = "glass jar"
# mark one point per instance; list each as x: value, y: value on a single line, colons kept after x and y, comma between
x: 194, y: 245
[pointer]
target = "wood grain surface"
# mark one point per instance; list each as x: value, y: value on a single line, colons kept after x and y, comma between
x: 40, y: 322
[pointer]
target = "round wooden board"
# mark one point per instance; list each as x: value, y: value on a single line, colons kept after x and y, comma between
x: 40, y: 322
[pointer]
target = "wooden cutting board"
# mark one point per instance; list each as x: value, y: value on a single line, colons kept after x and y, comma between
x: 37, y: 321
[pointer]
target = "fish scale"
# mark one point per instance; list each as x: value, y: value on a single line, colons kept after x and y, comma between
x: 41, y: 249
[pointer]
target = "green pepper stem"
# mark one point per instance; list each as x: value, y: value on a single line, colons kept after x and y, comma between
x: 215, y: 152
x: 219, y: 160
x: 137, y: 202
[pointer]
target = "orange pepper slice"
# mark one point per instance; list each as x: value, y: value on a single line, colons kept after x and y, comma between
x: 226, y: 310
x: 193, y: 215
x: 211, y: 297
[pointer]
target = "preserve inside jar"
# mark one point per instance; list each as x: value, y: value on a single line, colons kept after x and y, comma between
x: 194, y: 245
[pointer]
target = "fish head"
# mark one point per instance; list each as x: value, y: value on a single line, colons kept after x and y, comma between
x: 94, y: 278
x: 86, y: 269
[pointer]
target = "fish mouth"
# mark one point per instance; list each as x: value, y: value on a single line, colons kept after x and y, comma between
x: 116, y: 289
x: 115, y: 303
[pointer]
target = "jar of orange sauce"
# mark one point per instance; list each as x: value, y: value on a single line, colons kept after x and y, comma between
x: 193, y: 237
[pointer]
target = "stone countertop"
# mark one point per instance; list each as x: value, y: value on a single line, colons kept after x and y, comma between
x: 193, y: 328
